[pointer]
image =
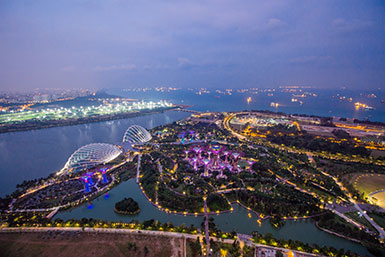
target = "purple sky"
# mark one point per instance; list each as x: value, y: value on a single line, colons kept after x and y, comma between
x: 220, y: 43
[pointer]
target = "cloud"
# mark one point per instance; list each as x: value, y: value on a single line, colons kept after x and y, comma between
x: 127, y: 67
x: 343, y: 25
x: 310, y: 59
x: 274, y: 23
x: 184, y: 62
x: 68, y: 68
x: 155, y: 66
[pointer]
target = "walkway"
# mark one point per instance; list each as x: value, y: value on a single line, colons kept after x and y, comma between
x: 207, y: 235
x: 351, y: 200
x: 138, y: 168
x: 376, y: 192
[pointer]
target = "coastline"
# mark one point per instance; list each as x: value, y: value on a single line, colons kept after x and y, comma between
x: 71, y: 122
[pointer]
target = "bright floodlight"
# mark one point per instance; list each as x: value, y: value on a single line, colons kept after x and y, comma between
x: 90, y: 155
x: 136, y: 135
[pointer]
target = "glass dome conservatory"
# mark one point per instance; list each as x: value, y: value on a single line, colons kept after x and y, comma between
x: 91, y: 155
x: 136, y: 135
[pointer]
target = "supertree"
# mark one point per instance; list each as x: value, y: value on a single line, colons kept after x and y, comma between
x: 195, y: 160
x: 235, y: 162
x: 198, y: 151
x: 186, y: 152
x: 206, y: 162
x: 250, y: 162
x: 104, y: 170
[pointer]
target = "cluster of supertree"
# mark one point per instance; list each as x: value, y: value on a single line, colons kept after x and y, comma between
x: 186, y: 136
x: 88, y: 181
x: 214, y: 158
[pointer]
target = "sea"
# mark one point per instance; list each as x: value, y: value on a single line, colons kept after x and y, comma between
x: 310, y: 101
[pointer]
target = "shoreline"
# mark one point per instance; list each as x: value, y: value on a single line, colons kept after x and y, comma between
x: 28, y: 126
x: 336, y: 234
x: 126, y: 212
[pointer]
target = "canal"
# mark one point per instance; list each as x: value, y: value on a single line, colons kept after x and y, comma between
x: 238, y: 220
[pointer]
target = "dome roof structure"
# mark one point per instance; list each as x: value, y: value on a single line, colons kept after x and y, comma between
x: 91, y: 155
x: 136, y: 135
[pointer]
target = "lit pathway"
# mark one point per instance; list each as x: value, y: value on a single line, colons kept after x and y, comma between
x: 358, y: 208
x: 137, y: 168
x: 376, y: 192
x: 207, y: 235
x: 374, y: 224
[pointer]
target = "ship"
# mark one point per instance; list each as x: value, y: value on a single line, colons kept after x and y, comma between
x: 364, y: 106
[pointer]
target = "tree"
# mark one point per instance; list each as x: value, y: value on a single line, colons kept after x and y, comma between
x: 278, y: 254
x: 145, y: 251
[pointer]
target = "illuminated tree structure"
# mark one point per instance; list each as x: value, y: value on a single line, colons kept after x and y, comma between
x: 221, y: 169
x: 206, y: 162
x: 250, y: 162
x: 104, y: 170
x: 235, y: 161
x: 198, y: 151
x: 212, y: 158
x: 186, y: 152
x: 87, y: 178
x: 186, y: 135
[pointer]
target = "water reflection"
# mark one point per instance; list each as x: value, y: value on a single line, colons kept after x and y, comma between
x: 37, y: 153
x: 238, y: 220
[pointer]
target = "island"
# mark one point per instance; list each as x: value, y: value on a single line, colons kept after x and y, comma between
x: 127, y: 206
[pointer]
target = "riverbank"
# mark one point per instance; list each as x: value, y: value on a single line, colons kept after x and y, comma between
x: 336, y: 234
x: 35, y: 125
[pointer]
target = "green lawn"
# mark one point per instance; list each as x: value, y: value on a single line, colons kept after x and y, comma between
x: 379, y: 219
x: 368, y: 183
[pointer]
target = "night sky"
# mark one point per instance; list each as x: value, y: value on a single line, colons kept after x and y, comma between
x: 213, y: 44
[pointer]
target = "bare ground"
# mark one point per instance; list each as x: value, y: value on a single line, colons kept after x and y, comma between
x: 88, y: 244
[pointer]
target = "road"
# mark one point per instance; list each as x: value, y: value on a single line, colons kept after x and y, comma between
x: 356, y: 206
x: 374, y: 224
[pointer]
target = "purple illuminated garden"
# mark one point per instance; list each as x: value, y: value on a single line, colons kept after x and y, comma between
x: 192, y: 164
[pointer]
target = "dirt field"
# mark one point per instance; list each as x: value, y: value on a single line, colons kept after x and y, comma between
x: 88, y: 244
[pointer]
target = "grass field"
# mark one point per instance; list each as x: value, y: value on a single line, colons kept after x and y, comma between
x: 380, y: 197
x: 88, y: 244
x: 379, y: 219
x: 361, y: 220
x: 368, y: 183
